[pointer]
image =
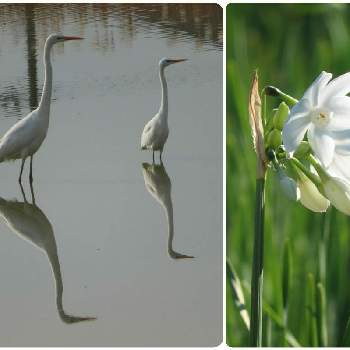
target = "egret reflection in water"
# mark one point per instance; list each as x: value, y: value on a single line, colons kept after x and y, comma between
x: 30, y: 223
x: 158, y: 185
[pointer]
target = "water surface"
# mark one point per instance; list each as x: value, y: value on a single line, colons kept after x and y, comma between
x: 97, y: 242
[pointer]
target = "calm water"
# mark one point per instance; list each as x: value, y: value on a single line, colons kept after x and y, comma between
x: 102, y: 239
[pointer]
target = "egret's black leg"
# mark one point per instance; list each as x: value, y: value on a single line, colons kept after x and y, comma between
x: 20, y: 174
x: 32, y: 192
x: 31, y: 170
x: 23, y: 193
x: 153, y: 156
x: 160, y: 156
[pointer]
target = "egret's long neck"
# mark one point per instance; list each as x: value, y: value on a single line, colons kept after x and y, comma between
x: 169, y: 213
x: 51, y: 251
x: 45, y: 101
x: 163, y: 110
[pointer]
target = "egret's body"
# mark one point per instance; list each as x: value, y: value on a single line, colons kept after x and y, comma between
x: 24, y: 138
x: 156, y: 131
x: 158, y: 185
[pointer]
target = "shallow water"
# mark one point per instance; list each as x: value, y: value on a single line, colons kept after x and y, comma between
x: 98, y: 243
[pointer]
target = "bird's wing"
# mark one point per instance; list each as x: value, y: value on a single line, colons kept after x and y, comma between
x: 147, y: 134
x: 17, y: 138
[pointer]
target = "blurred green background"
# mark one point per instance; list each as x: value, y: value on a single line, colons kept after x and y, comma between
x: 289, y: 44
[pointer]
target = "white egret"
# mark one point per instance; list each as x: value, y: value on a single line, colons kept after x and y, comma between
x: 24, y: 138
x: 30, y: 223
x: 158, y: 185
x: 156, y: 131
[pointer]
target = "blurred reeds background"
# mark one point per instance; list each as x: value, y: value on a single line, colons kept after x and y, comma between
x: 289, y: 44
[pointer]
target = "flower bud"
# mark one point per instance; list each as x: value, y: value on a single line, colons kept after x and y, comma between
x: 281, y: 116
x: 310, y: 197
x: 303, y: 150
x: 274, y: 139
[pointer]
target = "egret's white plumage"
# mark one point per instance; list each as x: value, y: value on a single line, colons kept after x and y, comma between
x: 24, y: 138
x: 156, y: 131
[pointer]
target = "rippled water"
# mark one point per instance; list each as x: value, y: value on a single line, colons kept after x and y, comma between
x: 102, y: 238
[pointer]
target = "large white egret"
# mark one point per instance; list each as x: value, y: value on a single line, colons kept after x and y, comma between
x: 158, y: 185
x: 24, y: 138
x: 30, y: 223
x: 156, y: 131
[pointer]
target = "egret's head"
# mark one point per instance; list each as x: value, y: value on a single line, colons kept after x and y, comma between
x: 57, y: 38
x: 164, y: 62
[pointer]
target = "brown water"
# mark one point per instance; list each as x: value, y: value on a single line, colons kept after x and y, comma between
x: 96, y: 244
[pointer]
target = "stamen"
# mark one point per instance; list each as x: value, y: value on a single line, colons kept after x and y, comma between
x: 321, y: 118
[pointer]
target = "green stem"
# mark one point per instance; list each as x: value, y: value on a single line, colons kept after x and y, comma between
x: 314, y: 178
x: 273, y: 91
x: 258, y: 264
x: 322, y: 174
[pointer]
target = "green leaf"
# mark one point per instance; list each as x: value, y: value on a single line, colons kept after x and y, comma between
x: 321, y: 315
x: 286, y: 273
x: 238, y: 295
x: 346, y: 337
x: 311, y: 322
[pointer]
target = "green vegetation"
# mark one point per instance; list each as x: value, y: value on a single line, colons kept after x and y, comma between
x: 306, y: 296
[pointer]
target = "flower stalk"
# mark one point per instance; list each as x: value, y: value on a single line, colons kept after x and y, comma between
x: 258, y: 266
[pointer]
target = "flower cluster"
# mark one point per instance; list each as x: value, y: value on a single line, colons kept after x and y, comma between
x: 309, y: 145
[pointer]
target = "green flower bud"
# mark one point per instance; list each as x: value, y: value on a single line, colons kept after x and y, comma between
x: 303, y: 150
x: 274, y: 139
x: 281, y: 116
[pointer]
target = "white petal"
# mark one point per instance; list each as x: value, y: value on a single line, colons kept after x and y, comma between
x: 310, y: 197
x: 339, y: 105
x: 343, y: 149
x: 322, y: 144
x: 338, y: 192
x: 315, y: 90
x: 342, y: 141
x: 339, y: 123
x: 340, y: 166
x: 339, y: 86
x: 303, y: 106
x: 294, y: 130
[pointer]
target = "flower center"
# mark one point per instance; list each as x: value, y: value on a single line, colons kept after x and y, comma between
x: 320, y: 117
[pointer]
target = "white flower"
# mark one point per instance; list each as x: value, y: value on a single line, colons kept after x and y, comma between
x: 324, y: 113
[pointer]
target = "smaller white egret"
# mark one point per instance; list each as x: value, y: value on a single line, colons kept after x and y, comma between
x: 156, y: 131
x: 24, y: 138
